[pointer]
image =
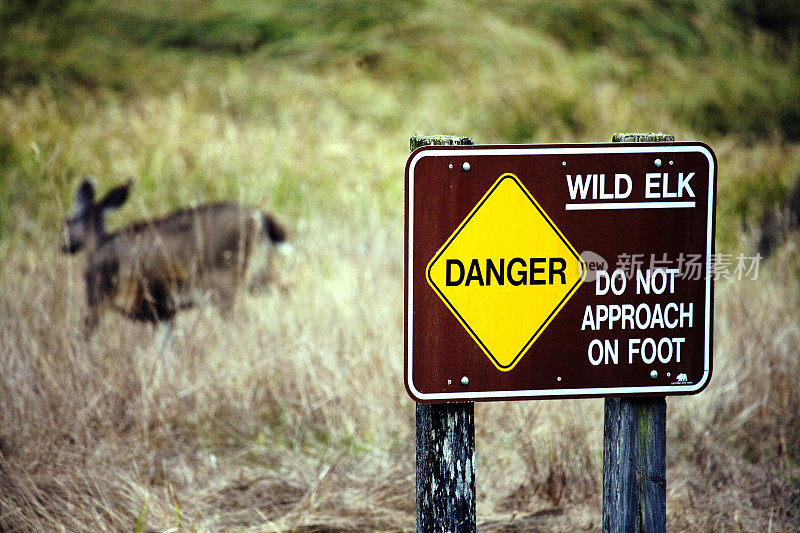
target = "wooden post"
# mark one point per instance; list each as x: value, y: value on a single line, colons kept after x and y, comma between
x: 635, y: 446
x: 445, y: 467
x: 445, y: 445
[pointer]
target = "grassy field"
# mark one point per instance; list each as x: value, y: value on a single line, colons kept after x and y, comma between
x: 292, y: 415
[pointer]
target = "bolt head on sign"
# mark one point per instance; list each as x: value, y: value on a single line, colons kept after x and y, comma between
x: 552, y: 271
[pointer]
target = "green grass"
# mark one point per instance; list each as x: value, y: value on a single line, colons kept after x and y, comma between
x: 501, y: 72
x: 293, y: 414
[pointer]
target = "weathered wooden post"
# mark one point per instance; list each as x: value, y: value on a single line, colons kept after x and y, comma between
x: 445, y: 444
x: 634, y: 446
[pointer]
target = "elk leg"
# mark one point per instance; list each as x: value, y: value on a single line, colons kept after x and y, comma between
x: 94, y: 301
x: 90, y: 322
x: 165, y: 330
x: 225, y: 295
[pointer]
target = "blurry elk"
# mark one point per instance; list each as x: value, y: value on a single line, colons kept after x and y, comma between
x: 778, y: 222
x: 152, y: 269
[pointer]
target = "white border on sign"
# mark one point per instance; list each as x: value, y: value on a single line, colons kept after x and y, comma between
x: 554, y: 393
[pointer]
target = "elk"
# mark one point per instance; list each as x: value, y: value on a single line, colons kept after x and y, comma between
x: 150, y: 270
x: 777, y: 222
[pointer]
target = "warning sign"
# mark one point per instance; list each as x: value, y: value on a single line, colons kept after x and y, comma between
x: 557, y: 271
x: 506, y: 271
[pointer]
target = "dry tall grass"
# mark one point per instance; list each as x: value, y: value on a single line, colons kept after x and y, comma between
x: 292, y: 415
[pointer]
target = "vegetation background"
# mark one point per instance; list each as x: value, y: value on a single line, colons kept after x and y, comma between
x: 293, y: 416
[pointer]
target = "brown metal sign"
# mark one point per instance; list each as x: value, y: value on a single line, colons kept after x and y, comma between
x: 554, y: 271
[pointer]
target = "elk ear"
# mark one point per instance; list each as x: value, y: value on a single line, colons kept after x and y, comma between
x: 84, y: 198
x: 115, y: 197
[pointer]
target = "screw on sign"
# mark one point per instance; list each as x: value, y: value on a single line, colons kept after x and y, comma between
x: 553, y: 271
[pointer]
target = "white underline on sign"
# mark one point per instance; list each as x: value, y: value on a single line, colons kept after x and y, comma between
x: 628, y: 205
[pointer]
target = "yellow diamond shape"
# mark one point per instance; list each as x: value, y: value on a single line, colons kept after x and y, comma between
x: 506, y: 272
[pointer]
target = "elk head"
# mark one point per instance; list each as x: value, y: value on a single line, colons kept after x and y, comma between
x: 86, y: 222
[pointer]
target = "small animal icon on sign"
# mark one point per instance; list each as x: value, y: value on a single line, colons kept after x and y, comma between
x: 682, y: 378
